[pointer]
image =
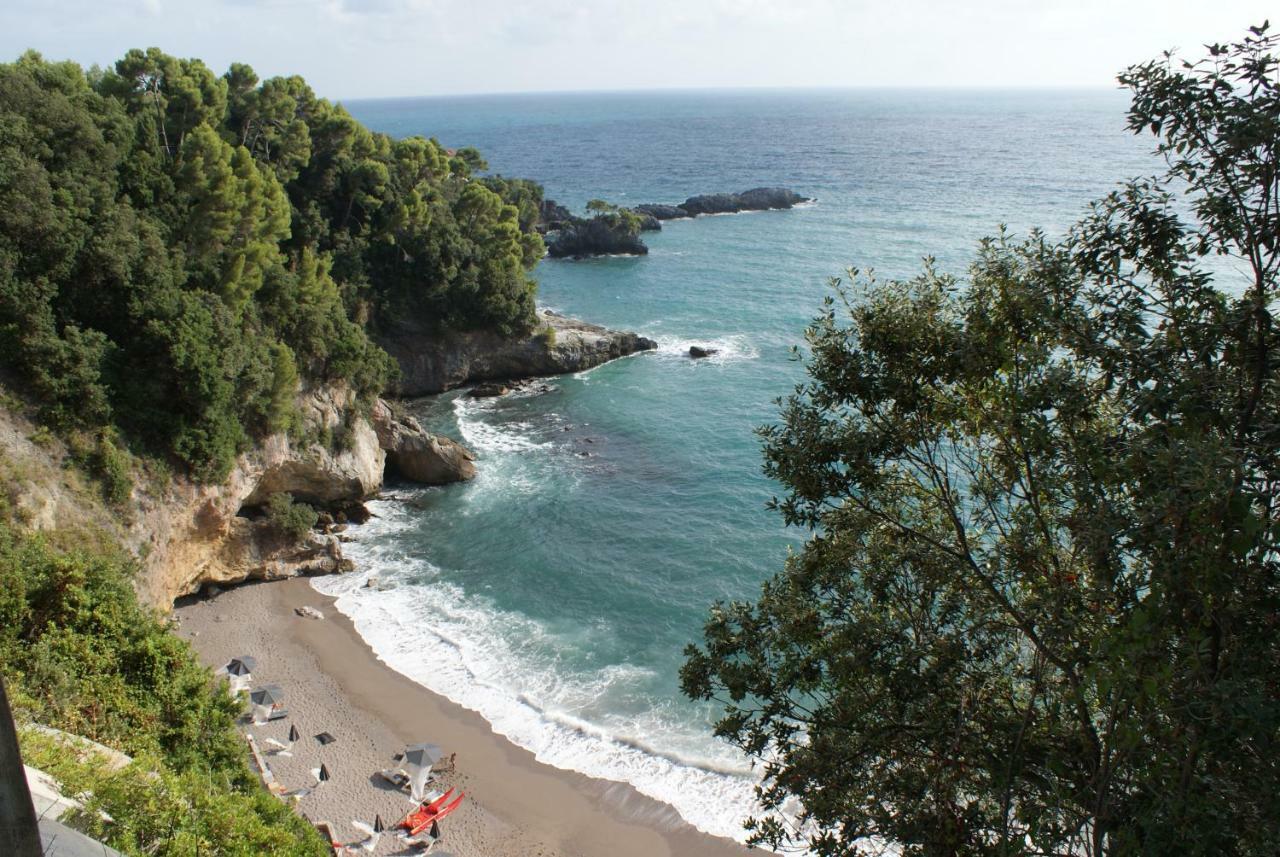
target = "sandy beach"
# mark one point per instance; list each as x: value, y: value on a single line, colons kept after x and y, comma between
x: 333, y: 682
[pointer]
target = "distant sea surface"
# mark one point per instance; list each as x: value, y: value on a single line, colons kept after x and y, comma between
x: 555, y: 593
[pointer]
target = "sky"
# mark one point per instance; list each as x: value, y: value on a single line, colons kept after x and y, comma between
x: 348, y: 49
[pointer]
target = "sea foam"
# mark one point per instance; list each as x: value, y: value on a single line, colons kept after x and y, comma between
x: 503, y: 665
x: 728, y: 349
x: 512, y: 669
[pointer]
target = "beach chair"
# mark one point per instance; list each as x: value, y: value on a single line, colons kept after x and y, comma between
x: 395, y: 777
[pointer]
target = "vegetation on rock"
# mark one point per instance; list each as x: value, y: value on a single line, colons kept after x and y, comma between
x: 78, y: 653
x: 290, y: 519
x: 611, y: 230
x: 180, y: 251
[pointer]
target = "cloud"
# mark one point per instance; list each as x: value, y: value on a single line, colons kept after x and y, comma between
x: 401, y: 47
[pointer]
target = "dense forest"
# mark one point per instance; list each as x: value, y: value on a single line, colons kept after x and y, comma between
x: 181, y: 255
x: 180, y: 252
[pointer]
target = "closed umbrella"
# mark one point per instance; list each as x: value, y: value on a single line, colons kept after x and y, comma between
x: 293, y: 734
x: 323, y: 774
x: 378, y: 826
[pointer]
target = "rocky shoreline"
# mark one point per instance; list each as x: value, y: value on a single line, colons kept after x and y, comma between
x: 559, y: 345
x: 190, y: 535
x: 194, y: 536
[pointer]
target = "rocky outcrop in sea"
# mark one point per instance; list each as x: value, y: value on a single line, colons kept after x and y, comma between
x: 596, y: 236
x: 755, y: 199
x: 435, y: 362
x: 415, y: 454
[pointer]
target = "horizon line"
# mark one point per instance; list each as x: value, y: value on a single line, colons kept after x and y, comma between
x: 748, y: 89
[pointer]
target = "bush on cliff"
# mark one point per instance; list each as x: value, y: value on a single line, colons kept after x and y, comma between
x: 290, y: 519
x: 78, y: 653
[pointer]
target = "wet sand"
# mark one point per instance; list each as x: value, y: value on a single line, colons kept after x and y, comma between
x: 333, y: 682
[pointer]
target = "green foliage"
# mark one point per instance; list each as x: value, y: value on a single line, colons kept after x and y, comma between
x: 155, y: 809
x: 1037, y: 614
x: 82, y: 655
x: 78, y: 653
x: 107, y: 464
x: 620, y: 220
x: 525, y: 194
x: 290, y: 519
x: 181, y: 253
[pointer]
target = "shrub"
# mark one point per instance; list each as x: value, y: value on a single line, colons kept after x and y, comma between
x: 288, y: 518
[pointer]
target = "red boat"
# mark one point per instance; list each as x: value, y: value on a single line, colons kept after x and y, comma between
x: 423, y: 817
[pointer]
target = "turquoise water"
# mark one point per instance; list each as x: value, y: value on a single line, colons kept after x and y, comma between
x: 555, y: 593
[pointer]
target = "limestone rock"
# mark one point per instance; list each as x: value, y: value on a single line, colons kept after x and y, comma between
x: 308, y: 612
x: 489, y: 390
x: 431, y: 362
x: 711, y: 203
x: 191, y: 534
x: 762, y: 198
x: 662, y: 212
x: 756, y: 199
x: 417, y: 455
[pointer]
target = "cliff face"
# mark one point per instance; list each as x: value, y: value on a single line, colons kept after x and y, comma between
x: 194, y: 535
x: 188, y: 535
x: 432, y: 363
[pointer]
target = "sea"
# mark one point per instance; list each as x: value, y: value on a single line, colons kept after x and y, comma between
x: 556, y: 593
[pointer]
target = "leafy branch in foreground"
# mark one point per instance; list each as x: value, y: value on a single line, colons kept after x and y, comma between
x: 1040, y: 609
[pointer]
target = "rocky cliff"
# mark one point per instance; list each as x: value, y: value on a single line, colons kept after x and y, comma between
x: 189, y: 535
x: 432, y: 363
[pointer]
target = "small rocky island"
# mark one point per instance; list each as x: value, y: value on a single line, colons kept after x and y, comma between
x: 756, y: 199
x: 612, y: 230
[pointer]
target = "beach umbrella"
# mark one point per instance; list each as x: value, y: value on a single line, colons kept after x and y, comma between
x: 418, y: 759
x: 264, y: 699
x: 241, y: 666
x: 266, y: 695
x: 325, y: 739
x: 293, y: 734
x: 323, y: 774
x: 378, y: 826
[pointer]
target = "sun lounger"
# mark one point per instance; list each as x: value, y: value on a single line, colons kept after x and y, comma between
x: 395, y: 777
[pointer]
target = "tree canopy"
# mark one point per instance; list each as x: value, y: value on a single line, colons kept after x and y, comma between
x: 1038, y: 612
x: 181, y: 252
